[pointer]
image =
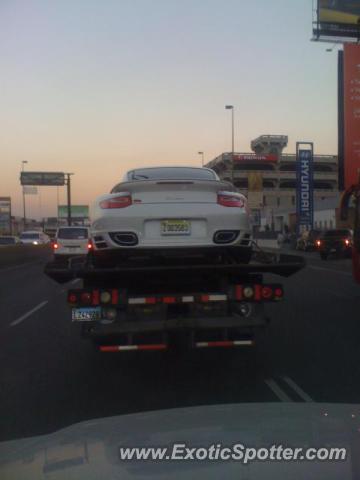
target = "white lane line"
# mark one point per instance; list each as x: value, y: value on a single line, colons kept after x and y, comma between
x: 75, y: 281
x: 298, y: 389
x: 16, y: 267
x: 349, y: 274
x: 279, y: 392
x: 26, y: 315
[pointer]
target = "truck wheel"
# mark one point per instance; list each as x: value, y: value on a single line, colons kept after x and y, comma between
x: 323, y: 255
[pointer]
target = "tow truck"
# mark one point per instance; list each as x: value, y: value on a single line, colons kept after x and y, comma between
x: 153, y: 304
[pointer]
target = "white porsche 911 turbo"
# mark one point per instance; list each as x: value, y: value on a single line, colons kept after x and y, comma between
x: 171, y: 210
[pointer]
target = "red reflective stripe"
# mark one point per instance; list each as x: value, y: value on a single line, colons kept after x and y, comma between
x: 224, y: 343
x: 204, y: 298
x: 150, y: 300
x: 169, y: 299
x: 258, y: 289
x: 238, y: 292
x: 159, y: 346
x: 114, y: 297
x: 113, y: 348
x: 95, y: 297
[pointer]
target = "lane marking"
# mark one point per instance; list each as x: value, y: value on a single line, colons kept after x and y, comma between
x: 26, y: 315
x: 330, y: 270
x: 298, y: 389
x: 74, y: 281
x: 279, y: 392
x: 16, y: 267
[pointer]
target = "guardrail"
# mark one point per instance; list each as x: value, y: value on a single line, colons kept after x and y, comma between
x: 12, y: 255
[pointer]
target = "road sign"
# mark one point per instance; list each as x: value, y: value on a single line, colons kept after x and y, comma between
x: 42, y: 178
x: 77, y: 211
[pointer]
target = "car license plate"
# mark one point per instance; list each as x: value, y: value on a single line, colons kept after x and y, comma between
x: 86, y: 314
x: 175, y: 227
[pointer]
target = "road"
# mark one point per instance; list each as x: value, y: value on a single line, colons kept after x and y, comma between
x: 51, y: 378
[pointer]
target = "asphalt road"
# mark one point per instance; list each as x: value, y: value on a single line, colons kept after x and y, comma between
x: 51, y: 378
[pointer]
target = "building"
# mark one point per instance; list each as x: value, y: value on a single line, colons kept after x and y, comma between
x: 267, y: 176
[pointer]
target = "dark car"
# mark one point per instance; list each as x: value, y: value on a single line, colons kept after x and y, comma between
x: 335, y: 241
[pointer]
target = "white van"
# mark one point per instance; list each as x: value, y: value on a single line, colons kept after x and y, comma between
x: 72, y: 241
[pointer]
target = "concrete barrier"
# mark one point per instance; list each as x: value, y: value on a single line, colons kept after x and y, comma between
x: 12, y: 255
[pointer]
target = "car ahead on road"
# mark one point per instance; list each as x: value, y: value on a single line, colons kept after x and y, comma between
x: 337, y: 241
x: 168, y: 211
x: 71, y: 241
x: 6, y: 240
x: 307, y: 241
x: 34, y: 237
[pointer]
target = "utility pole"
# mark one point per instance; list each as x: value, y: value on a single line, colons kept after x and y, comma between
x: 68, y: 184
x: 23, y: 193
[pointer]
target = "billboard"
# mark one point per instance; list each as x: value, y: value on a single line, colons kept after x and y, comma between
x: 304, y: 187
x: 42, y: 178
x: 77, y: 211
x: 253, y: 156
x: 338, y: 18
x: 5, y: 215
x: 351, y: 132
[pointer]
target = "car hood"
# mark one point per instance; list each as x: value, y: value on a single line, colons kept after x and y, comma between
x: 90, y: 450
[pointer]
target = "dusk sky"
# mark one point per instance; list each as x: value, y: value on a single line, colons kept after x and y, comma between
x: 98, y: 87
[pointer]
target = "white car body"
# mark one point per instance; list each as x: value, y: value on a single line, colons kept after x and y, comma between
x: 72, y: 240
x: 34, y: 237
x: 170, y: 208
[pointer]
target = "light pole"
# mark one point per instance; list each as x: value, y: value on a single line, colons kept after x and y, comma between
x: 23, y: 192
x: 202, y: 158
x: 231, y: 107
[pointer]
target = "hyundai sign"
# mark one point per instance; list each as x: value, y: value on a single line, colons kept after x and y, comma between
x: 304, y: 187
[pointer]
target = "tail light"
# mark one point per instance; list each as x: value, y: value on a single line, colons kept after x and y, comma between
x: 318, y: 243
x: 55, y: 245
x: 258, y: 293
x: 120, y: 201
x: 347, y: 242
x: 231, y: 199
x: 90, y: 244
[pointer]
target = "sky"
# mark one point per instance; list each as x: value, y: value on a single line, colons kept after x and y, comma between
x: 99, y: 87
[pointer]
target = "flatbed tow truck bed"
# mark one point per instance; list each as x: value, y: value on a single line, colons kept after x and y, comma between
x: 149, y: 305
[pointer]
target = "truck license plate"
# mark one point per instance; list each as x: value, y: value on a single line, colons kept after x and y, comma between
x: 86, y: 314
x: 175, y: 227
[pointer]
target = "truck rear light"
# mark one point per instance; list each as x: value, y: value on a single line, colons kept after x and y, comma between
x: 72, y: 298
x: 248, y: 292
x: 105, y: 297
x: 86, y: 297
x: 230, y: 199
x: 318, y: 243
x: 347, y: 242
x: 267, y: 292
x: 90, y: 244
x: 120, y: 201
x: 278, y: 292
x: 55, y: 246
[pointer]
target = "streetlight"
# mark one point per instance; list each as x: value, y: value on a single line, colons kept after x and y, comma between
x: 24, y: 208
x: 231, y: 107
x: 202, y: 158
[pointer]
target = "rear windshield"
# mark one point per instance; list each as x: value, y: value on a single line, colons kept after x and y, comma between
x: 7, y: 241
x: 337, y: 233
x: 72, y: 233
x: 30, y: 236
x: 172, y: 173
